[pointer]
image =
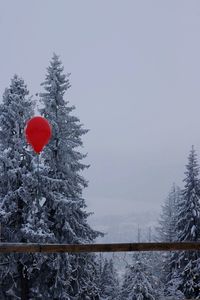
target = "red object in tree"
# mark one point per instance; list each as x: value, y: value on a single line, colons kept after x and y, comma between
x: 38, y: 133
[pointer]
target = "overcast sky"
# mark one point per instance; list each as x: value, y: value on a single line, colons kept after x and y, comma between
x: 135, y: 75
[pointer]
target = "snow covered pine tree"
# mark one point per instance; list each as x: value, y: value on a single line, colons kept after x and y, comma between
x: 186, y: 276
x: 138, y: 281
x: 61, y: 187
x: 166, y: 230
x: 166, y: 233
x: 109, y: 282
x: 17, y: 182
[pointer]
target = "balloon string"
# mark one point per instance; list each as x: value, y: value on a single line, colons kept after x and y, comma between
x: 38, y: 179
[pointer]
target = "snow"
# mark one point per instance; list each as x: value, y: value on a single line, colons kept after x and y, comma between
x: 193, y: 230
x: 42, y: 201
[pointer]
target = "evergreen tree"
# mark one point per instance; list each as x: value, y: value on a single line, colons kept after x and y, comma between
x: 100, y: 264
x: 18, y: 181
x: 166, y: 232
x: 166, y: 229
x: 172, y: 292
x: 62, y: 186
x: 138, y: 281
x: 109, y: 281
x: 185, y: 263
x: 153, y: 262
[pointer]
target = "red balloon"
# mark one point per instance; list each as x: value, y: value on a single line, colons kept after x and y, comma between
x: 38, y: 133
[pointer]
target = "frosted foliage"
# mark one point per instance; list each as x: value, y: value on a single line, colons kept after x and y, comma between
x: 20, y: 213
x: 61, y: 156
x: 188, y: 215
x: 108, y: 280
x: 18, y: 182
x: 166, y: 232
x: 138, y: 281
x: 185, y: 263
x: 62, y: 184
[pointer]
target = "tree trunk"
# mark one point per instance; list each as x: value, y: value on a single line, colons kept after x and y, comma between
x: 23, y: 282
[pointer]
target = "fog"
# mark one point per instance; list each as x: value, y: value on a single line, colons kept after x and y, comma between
x: 135, y: 73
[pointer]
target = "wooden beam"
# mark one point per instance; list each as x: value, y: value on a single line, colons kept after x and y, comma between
x: 123, y: 247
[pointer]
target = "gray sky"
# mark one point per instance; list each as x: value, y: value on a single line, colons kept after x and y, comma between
x: 135, y: 82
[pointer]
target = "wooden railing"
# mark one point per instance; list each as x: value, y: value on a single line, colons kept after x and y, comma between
x: 122, y: 247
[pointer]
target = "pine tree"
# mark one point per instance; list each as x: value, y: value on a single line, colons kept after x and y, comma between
x: 62, y: 186
x: 18, y: 181
x: 166, y: 233
x: 109, y: 281
x: 100, y: 263
x: 185, y: 263
x: 166, y: 229
x: 138, y: 281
